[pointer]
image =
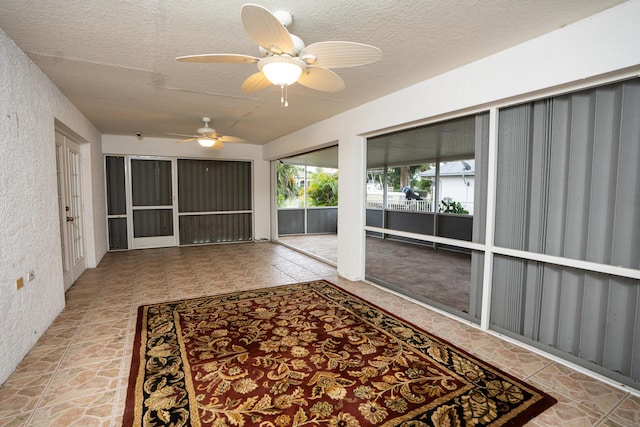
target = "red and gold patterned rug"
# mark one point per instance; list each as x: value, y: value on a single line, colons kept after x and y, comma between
x: 309, y: 354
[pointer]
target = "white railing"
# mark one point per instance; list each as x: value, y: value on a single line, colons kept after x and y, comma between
x: 401, y: 204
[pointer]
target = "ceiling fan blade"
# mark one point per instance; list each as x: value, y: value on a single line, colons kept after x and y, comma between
x: 323, y: 79
x: 186, y: 140
x: 255, y: 82
x: 211, y: 135
x: 265, y: 29
x: 338, y: 54
x: 231, y: 139
x: 224, y: 58
x: 180, y: 134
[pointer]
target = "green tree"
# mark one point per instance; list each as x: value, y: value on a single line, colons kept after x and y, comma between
x: 399, y: 176
x: 287, y: 183
x: 323, y: 188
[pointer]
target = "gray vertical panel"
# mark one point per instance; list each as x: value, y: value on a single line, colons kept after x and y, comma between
x: 554, y: 160
x: 481, y: 177
x: 480, y: 212
x: 116, y: 200
x: 218, y: 192
x: 584, y: 204
x: 246, y: 185
x: 621, y: 332
x: 539, y: 176
x: 152, y: 223
x: 506, y: 296
x: 322, y: 220
x: 512, y: 174
x: 593, y: 318
x: 578, y: 167
x: 605, y: 123
x: 118, y: 233
x: 142, y: 178
x: 198, y: 229
x: 569, y: 316
x: 533, y: 300
x: 635, y: 350
x: 290, y: 221
x: 214, y: 186
x: 549, y: 304
x: 477, y: 273
x: 556, y: 186
x: 579, y: 143
x: 455, y: 226
x: 374, y: 217
x: 626, y: 232
x: 410, y: 221
x: 151, y: 182
x: 511, y: 215
x: 165, y: 183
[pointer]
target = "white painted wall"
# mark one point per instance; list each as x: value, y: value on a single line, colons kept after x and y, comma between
x: 30, y: 107
x: 131, y: 145
x: 598, y: 49
x: 352, y: 193
x: 456, y: 188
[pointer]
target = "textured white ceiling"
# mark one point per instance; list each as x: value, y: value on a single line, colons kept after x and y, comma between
x: 115, y: 60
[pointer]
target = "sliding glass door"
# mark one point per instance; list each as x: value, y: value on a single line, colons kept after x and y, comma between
x: 426, y: 212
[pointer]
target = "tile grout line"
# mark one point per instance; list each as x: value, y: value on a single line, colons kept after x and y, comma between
x: 123, y: 374
x: 127, y: 342
x: 612, y: 410
x: 57, y: 368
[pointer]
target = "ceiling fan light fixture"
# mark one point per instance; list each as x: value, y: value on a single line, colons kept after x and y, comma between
x: 281, y: 70
x: 206, y: 142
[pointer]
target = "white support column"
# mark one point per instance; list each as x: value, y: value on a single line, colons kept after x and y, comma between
x: 351, y: 212
x: 492, y: 168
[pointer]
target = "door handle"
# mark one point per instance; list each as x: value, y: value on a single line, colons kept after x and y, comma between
x: 69, y: 219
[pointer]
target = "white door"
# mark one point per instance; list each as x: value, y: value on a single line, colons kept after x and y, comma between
x: 153, y: 212
x: 70, y: 209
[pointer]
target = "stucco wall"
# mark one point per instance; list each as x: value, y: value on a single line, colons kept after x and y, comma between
x: 30, y: 107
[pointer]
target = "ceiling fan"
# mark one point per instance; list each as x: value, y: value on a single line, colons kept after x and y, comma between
x: 208, y: 137
x: 284, y: 58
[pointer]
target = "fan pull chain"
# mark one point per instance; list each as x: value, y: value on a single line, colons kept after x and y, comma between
x: 283, y: 97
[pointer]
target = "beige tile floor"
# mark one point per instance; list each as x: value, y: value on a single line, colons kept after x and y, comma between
x: 76, y: 375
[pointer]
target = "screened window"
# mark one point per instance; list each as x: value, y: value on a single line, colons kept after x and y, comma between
x: 307, y: 191
x: 568, y: 185
x: 214, y: 201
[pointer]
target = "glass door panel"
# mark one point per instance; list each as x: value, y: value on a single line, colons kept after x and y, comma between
x: 152, y: 204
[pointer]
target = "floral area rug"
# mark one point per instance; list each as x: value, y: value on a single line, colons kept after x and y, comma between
x: 309, y: 354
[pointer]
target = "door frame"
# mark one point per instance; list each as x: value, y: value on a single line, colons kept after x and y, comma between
x: 71, y: 270
x: 152, y: 242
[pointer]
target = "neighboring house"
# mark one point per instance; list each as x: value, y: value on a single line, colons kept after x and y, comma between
x: 455, y: 183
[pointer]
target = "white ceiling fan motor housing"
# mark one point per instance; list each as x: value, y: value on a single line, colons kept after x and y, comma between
x: 284, y: 17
